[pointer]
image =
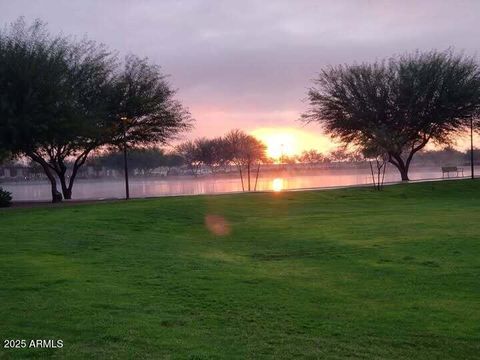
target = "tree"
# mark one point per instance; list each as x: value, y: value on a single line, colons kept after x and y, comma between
x: 397, y: 105
x: 288, y: 159
x: 173, y: 160
x: 143, y: 110
x: 84, y: 128
x: 31, y: 69
x: 245, y: 152
x: 213, y: 153
x: 377, y: 160
x: 51, y: 92
x: 190, y: 154
x: 142, y: 159
x: 311, y: 157
x: 4, y: 155
x: 61, y: 99
x: 339, y: 154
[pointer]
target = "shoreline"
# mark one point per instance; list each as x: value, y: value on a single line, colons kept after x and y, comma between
x: 72, y: 202
x: 264, y: 173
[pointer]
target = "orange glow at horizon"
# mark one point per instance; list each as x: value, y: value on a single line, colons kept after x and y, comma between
x: 291, y: 141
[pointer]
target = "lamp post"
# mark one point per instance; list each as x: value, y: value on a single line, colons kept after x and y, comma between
x: 471, y: 149
x: 125, y: 161
x: 282, y: 158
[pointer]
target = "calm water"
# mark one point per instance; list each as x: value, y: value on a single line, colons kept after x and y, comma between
x: 98, y: 189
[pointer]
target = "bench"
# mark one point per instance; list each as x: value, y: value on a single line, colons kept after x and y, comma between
x: 451, y: 169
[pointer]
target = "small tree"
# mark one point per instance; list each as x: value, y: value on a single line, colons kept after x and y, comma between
x: 247, y: 153
x: 213, y: 153
x: 377, y: 160
x: 397, y: 105
x: 339, y: 154
x: 190, y: 153
x: 311, y: 157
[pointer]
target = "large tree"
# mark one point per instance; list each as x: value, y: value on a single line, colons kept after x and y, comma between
x: 51, y: 91
x: 397, y: 106
x: 85, y: 126
x: 32, y: 68
x: 143, y: 109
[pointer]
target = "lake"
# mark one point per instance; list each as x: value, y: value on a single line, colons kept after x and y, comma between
x: 149, y: 187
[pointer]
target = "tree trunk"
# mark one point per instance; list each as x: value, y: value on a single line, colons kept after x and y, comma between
x: 400, y: 164
x: 403, y: 165
x: 248, y: 170
x: 61, y: 170
x: 241, y: 177
x: 67, y: 193
x: 256, y: 178
x: 404, y: 174
x: 56, y: 195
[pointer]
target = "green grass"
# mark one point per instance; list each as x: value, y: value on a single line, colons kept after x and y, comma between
x: 331, y: 274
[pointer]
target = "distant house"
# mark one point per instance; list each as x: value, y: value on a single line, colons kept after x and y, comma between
x: 14, y: 172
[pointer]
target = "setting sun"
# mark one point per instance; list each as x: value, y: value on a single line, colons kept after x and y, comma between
x: 281, y: 144
x: 290, y: 141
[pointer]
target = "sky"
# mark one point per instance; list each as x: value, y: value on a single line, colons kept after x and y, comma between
x: 248, y: 64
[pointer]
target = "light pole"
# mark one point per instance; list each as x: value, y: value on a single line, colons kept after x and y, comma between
x: 471, y: 148
x: 281, y: 153
x: 125, y: 161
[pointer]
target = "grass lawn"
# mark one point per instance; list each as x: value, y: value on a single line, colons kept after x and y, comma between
x: 330, y: 274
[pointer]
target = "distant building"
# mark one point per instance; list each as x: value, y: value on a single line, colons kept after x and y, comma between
x: 14, y: 172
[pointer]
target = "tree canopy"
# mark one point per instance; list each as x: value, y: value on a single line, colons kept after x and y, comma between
x: 60, y: 99
x: 398, y: 105
x: 143, y: 109
x: 142, y: 159
x: 246, y: 152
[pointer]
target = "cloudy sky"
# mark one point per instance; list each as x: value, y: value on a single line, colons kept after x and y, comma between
x: 247, y: 64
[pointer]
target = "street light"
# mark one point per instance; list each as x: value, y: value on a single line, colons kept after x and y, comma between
x: 125, y: 162
x: 471, y: 148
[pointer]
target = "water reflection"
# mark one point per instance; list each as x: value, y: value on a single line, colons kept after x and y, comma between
x: 277, y: 184
x: 99, y: 189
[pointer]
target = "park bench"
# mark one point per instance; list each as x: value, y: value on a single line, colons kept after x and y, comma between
x: 451, y: 169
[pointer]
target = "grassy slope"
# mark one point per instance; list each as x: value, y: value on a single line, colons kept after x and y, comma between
x: 337, y: 274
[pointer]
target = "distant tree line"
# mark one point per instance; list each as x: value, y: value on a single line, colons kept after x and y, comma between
x: 437, y: 157
x: 61, y: 99
x: 144, y: 160
x: 199, y: 152
x: 236, y: 148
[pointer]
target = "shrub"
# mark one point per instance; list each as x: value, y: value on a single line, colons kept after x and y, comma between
x: 5, y: 198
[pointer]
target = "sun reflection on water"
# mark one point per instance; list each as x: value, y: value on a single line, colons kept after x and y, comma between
x: 277, y: 184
